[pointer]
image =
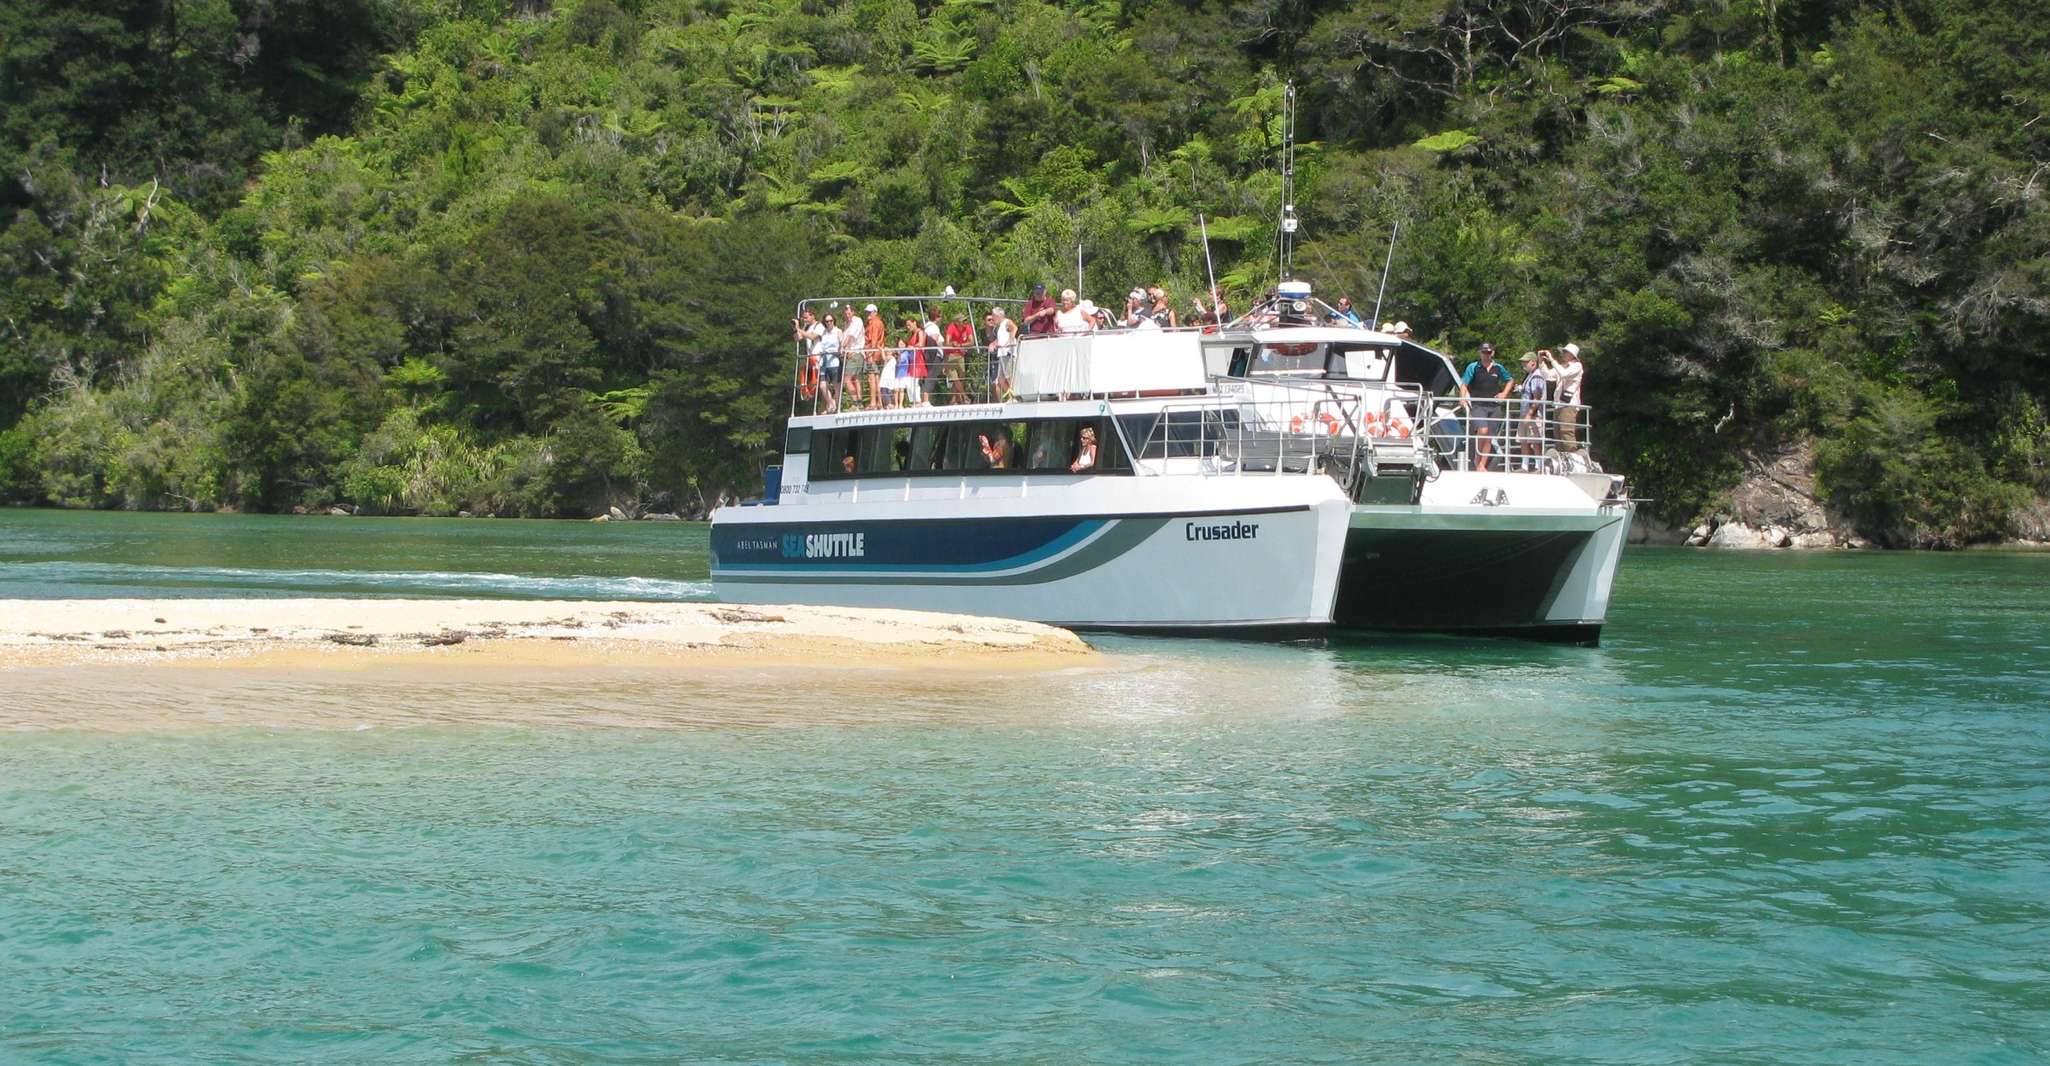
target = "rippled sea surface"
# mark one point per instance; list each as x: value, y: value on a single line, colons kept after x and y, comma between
x: 1795, y: 810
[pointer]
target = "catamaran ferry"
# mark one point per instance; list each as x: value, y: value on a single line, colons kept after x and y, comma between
x: 1284, y: 473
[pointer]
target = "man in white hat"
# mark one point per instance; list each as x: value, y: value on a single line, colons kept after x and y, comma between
x: 1135, y: 309
x: 1569, y: 375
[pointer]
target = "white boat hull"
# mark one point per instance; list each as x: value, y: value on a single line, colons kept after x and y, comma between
x: 1136, y: 553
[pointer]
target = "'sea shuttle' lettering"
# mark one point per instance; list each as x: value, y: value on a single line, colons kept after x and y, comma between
x: 832, y: 546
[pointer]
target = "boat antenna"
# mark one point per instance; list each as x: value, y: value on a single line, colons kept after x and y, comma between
x: 1385, y: 264
x: 1288, y: 219
x: 1209, y: 265
x: 1078, y: 270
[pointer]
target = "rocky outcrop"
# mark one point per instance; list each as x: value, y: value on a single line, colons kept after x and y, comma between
x: 1776, y: 506
x: 2032, y: 524
x: 1644, y: 529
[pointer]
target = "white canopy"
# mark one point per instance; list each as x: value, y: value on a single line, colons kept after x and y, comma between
x: 1111, y: 361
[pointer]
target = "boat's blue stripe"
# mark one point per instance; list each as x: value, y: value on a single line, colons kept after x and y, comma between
x: 951, y: 546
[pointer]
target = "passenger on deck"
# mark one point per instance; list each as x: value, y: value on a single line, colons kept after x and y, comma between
x: 960, y: 336
x: 1074, y: 316
x: 934, y: 350
x: 912, y: 367
x: 1085, y: 451
x: 1344, y: 315
x: 1003, y: 344
x: 1136, y: 306
x: 807, y: 331
x: 1158, y: 309
x: 1530, y: 421
x: 876, y: 345
x: 829, y: 360
x: 853, y: 357
x: 1216, y: 314
x: 1492, y: 381
x: 1037, y: 318
x: 1571, y: 376
x: 1402, y: 330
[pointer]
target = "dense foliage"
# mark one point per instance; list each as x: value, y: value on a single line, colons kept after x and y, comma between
x: 522, y: 257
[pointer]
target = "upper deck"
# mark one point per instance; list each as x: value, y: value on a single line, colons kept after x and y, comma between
x: 1288, y: 368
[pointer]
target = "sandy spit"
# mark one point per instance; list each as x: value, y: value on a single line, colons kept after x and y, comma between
x: 337, y: 634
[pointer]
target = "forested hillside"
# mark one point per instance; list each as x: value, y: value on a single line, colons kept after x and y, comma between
x: 521, y: 257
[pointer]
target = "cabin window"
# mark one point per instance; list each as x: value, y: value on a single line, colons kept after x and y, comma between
x: 833, y: 454
x: 928, y: 448
x: 883, y: 449
x: 1038, y: 446
x: 1053, y: 445
x: 1361, y: 364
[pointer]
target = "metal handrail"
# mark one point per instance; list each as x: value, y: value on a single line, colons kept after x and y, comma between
x: 982, y: 375
x: 1316, y: 432
x: 1528, y: 436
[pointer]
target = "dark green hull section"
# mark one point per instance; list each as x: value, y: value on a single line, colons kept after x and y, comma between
x: 1488, y: 582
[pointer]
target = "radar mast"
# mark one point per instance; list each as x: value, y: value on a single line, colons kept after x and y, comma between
x: 1286, y: 244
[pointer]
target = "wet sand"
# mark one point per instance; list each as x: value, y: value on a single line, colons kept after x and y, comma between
x: 378, y: 635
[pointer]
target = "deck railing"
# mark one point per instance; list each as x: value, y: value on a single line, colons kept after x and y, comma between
x: 1508, y: 436
x: 971, y: 375
x: 1291, y: 428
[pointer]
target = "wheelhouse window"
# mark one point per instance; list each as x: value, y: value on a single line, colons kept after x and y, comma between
x: 1291, y: 359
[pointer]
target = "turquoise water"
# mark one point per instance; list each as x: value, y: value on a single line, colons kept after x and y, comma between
x: 111, y: 555
x: 1795, y: 810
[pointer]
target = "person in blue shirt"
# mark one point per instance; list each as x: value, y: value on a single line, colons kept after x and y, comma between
x: 1491, y: 381
x: 1344, y: 315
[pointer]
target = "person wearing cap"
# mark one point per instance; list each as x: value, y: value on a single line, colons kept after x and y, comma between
x: 1037, y: 317
x: 1571, y: 376
x: 1493, y: 382
x: 1402, y: 330
x: 1135, y: 310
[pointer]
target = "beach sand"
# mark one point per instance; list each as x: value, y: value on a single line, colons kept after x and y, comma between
x: 379, y: 634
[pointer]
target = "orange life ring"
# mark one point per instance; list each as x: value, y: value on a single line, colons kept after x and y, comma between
x: 808, y: 378
x: 1330, y: 424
